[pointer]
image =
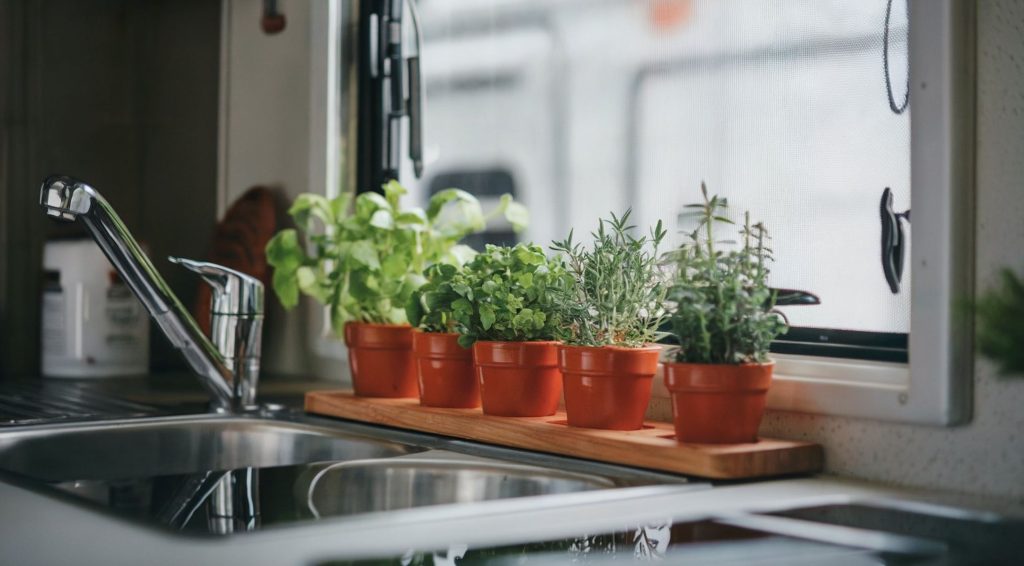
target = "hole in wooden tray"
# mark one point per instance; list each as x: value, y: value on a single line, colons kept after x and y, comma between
x: 564, y: 422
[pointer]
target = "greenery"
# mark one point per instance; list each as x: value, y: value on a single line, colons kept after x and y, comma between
x: 723, y: 312
x: 502, y: 294
x: 616, y: 294
x: 1000, y: 333
x: 429, y: 308
x: 367, y: 254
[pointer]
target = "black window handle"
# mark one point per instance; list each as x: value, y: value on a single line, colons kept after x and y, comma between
x: 893, y: 241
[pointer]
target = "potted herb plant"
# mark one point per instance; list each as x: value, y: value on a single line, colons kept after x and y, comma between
x: 366, y: 257
x: 609, y: 316
x: 724, y: 322
x: 501, y: 305
x: 444, y: 367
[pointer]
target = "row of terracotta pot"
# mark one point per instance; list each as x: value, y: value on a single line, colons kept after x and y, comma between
x: 606, y: 387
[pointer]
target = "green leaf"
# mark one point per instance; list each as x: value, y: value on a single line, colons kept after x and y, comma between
x: 394, y: 266
x: 462, y: 305
x: 364, y: 252
x: 460, y: 255
x: 393, y: 192
x: 445, y: 196
x: 414, y: 310
x: 486, y: 316
x: 308, y: 205
x: 339, y: 204
x: 528, y: 256
x: 368, y: 203
x: 284, y: 252
x: 515, y: 213
x: 286, y: 287
x: 415, y: 216
x: 307, y: 282
x: 382, y: 219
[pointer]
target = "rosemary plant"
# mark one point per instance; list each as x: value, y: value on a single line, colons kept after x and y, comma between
x: 617, y: 291
x: 723, y: 305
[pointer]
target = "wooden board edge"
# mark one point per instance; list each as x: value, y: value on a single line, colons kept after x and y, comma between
x: 792, y: 457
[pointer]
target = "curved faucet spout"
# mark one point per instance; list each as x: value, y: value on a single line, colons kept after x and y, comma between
x: 67, y: 199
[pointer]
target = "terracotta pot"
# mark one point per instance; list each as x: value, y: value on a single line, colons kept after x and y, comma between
x: 445, y: 370
x: 718, y: 403
x: 381, y: 360
x: 518, y: 379
x: 607, y: 387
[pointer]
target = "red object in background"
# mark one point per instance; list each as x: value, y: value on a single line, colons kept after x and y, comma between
x: 667, y: 15
x: 607, y: 387
x: 381, y: 360
x: 272, y: 21
x: 239, y: 242
x: 445, y: 370
x: 518, y: 379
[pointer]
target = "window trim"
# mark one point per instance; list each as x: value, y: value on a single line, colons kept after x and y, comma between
x: 935, y: 387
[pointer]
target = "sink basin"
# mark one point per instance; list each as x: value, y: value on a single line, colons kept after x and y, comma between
x: 224, y: 474
x: 350, y: 488
x: 164, y: 447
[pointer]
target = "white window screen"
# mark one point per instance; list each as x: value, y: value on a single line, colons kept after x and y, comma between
x: 587, y: 107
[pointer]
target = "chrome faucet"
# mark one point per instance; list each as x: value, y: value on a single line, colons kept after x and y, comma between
x: 228, y: 366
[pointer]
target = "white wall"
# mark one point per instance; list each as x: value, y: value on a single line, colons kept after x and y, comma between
x: 266, y: 135
x: 986, y: 456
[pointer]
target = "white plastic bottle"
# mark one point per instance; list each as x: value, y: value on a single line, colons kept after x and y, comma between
x: 92, y: 324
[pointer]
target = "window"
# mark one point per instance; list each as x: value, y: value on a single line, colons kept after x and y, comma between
x: 801, y: 111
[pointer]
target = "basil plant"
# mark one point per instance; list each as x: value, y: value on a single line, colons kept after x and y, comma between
x: 365, y: 256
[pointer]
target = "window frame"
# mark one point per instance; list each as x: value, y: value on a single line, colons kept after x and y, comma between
x: 934, y: 387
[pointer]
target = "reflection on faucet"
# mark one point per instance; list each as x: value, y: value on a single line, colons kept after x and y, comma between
x: 234, y: 505
x: 228, y: 369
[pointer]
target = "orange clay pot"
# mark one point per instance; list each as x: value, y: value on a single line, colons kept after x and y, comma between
x: 607, y: 387
x: 445, y: 371
x: 718, y: 403
x: 380, y: 357
x: 518, y: 379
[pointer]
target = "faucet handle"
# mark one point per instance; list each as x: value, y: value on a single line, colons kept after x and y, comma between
x: 234, y: 292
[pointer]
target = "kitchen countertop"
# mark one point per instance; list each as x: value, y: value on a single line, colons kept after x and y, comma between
x: 38, y: 528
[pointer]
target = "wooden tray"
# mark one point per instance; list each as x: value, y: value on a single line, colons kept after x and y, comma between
x: 652, y: 447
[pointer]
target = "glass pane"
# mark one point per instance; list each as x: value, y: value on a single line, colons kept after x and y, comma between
x: 580, y: 108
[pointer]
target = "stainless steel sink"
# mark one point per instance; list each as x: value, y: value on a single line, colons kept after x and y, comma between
x: 433, y: 478
x: 162, y: 447
x: 225, y: 474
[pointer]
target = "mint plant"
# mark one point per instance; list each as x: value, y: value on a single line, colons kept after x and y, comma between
x: 502, y: 294
x: 367, y: 255
x: 616, y: 293
x: 723, y: 305
x: 429, y: 308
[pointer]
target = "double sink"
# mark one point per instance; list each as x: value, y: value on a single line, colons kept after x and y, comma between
x: 226, y: 474
x: 223, y: 474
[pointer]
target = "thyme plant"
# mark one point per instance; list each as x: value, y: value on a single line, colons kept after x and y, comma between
x: 723, y: 305
x: 617, y: 291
